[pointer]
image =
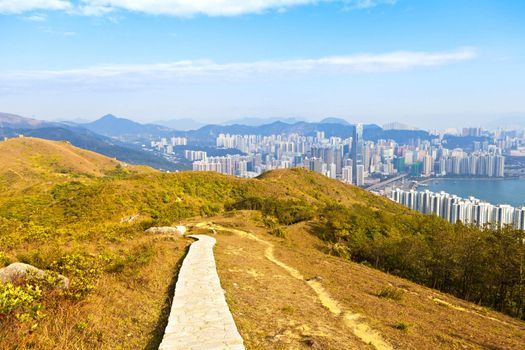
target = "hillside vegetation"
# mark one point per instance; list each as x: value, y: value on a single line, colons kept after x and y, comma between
x: 83, y: 215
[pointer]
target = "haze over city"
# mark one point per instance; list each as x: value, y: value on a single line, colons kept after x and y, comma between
x: 427, y: 64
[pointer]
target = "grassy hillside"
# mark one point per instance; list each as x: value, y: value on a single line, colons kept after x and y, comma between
x: 317, y: 301
x: 31, y: 161
x: 83, y: 215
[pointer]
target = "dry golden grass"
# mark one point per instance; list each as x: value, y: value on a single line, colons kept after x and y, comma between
x: 291, y: 297
x: 28, y: 161
x: 127, y: 310
x: 274, y: 310
x: 51, y: 156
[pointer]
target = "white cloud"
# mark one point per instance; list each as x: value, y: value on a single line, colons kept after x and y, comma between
x: 182, y: 8
x: 190, y: 7
x: 39, y: 17
x: 20, y: 6
x: 160, y: 74
x: 57, y: 32
x: 364, y: 4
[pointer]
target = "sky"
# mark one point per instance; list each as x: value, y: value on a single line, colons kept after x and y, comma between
x: 430, y: 64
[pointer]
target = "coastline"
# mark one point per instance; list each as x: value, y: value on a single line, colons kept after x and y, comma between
x: 492, y: 190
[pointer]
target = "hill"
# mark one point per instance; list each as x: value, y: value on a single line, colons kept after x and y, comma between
x: 125, y: 129
x: 333, y: 120
x: 89, y: 140
x: 8, y: 120
x: 31, y: 161
x: 39, y: 155
x: 335, y: 303
x: 182, y: 124
x: 90, y: 228
x: 253, y: 121
x: 207, y: 134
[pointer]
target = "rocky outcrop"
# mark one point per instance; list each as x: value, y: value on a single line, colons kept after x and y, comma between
x: 177, y: 230
x: 130, y: 218
x: 18, y: 270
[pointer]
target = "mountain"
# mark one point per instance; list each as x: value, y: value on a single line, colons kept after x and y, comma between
x: 332, y: 120
x: 8, y: 120
x: 183, y: 124
x: 86, y: 139
x: 206, y: 135
x: 335, y: 266
x: 32, y: 161
x: 125, y: 129
x: 252, y: 121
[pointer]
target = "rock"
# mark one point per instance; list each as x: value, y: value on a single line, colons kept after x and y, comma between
x: 315, y: 278
x: 177, y: 230
x: 20, y: 270
x: 129, y: 218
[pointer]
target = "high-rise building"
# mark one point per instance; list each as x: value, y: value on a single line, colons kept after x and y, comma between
x: 357, y: 154
x: 347, y: 174
x: 428, y: 165
x: 360, y: 176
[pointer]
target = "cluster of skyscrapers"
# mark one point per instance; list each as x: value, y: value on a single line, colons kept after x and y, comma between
x: 333, y: 157
x: 354, y: 159
x: 166, y: 145
x: 237, y: 165
x: 467, y: 210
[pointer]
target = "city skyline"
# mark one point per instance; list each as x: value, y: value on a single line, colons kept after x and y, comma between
x: 428, y: 65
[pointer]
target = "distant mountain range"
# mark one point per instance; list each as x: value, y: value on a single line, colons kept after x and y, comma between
x: 122, y: 138
x: 130, y: 132
x: 338, y: 128
x: 13, y: 125
x: 8, y: 120
x: 252, y: 121
x: 125, y: 129
x: 183, y: 124
x: 333, y: 120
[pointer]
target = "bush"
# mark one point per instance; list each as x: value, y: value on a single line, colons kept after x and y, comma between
x: 4, y: 260
x: 402, y: 326
x: 278, y: 232
x: 137, y: 257
x: 82, y: 271
x: 270, y: 222
x: 389, y: 292
x: 338, y: 249
x: 21, y: 301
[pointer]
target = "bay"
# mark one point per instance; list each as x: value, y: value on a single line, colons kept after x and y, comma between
x: 495, y: 191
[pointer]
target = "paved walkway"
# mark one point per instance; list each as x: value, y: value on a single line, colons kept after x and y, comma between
x: 200, y: 318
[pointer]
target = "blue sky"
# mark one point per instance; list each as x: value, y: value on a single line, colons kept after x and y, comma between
x: 427, y: 63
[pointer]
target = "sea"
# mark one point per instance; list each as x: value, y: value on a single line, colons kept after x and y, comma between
x: 494, y: 191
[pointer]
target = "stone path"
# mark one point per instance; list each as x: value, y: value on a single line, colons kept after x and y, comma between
x: 200, y: 318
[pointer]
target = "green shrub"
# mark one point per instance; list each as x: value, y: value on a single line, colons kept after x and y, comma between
x: 389, y: 292
x: 270, y: 221
x: 278, y: 232
x: 338, y: 249
x: 137, y: 257
x: 402, y: 326
x: 21, y: 301
x: 82, y: 271
x: 4, y: 260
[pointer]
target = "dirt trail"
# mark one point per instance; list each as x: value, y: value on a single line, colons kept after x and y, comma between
x: 354, y: 321
x: 459, y: 308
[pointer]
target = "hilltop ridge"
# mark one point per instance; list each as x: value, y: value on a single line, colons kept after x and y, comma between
x: 27, y: 160
x: 84, y: 215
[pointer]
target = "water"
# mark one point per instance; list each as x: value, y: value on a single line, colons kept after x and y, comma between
x: 510, y: 191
